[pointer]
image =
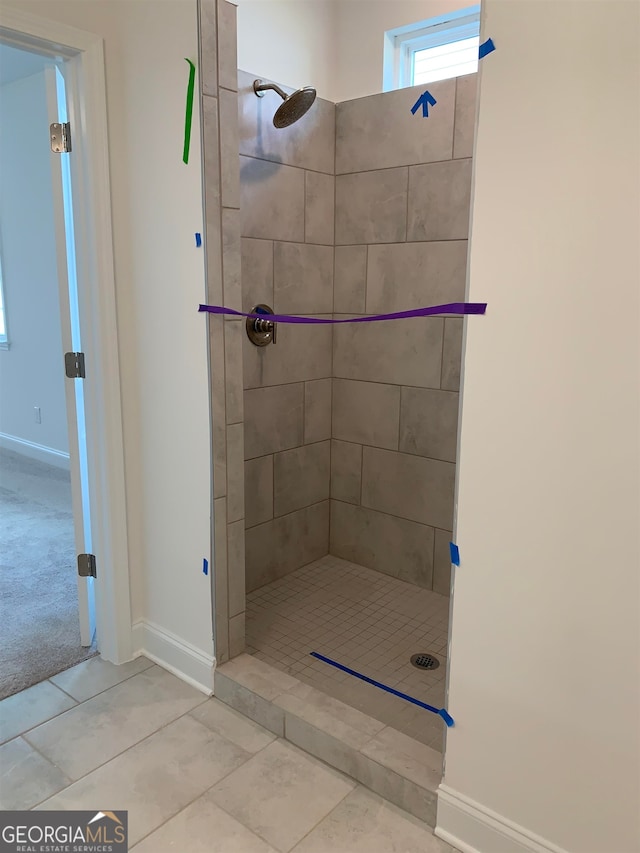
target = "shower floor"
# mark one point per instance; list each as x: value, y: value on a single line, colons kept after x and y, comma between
x: 362, y: 619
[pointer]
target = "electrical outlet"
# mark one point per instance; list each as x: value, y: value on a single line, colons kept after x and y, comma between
x: 37, y: 415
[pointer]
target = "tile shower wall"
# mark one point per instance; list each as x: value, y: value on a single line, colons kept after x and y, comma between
x: 222, y: 246
x: 286, y: 210
x: 402, y: 199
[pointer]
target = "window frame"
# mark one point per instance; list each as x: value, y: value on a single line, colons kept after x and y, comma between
x: 402, y: 43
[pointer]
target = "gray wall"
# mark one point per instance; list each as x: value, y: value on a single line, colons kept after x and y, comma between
x: 365, y: 415
x: 286, y: 207
x: 401, y: 226
x: 222, y: 245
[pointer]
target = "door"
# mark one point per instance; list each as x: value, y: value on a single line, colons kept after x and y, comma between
x: 60, y: 82
x: 88, y: 292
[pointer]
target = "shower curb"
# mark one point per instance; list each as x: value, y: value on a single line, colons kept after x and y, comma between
x: 393, y: 765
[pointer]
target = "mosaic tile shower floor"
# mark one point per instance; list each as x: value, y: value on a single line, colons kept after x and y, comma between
x: 365, y: 620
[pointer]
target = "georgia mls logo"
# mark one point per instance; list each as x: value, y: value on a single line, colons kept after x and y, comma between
x: 103, y: 830
x: 63, y: 832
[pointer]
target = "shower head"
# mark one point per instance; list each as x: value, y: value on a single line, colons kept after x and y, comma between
x: 293, y: 106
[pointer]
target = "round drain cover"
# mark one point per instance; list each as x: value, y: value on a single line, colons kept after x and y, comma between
x: 425, y: 661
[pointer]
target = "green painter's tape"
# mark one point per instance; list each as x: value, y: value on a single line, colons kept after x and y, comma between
x: 189, y: 112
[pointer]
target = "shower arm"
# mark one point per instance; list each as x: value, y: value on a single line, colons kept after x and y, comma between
x: 261, y: 88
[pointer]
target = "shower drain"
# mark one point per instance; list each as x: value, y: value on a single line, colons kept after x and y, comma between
x: 425, y: 661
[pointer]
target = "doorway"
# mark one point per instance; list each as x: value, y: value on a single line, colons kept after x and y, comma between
x: 45, y: 496
x: 51, y: 623
x: 76, y: 574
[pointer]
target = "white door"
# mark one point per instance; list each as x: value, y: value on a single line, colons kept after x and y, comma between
x: 60, y: 82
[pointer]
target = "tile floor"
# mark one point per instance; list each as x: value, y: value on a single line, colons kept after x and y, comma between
x: 194, y: 775
x: 367, y: 621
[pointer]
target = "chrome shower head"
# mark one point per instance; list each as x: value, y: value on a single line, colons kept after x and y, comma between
x: 293, y: 106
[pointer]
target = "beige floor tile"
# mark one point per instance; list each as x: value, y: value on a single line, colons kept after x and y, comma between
x: 365, y: 823
x: 26, y: 778
x: 97, y: 730
x: 30, y: 707
x: 330, y: 715
x: 232, y: 725
x: 281, y: 794
x: 95, y: 675
x: 202, y: 828
x: 155, y: 779
x: 243, y: 670
x: 401, y: 753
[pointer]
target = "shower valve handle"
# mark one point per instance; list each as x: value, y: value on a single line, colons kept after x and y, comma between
x: 261, y: 330
x: 266, y: 327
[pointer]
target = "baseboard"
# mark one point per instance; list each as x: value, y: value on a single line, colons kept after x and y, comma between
x: 472, y: 828
x: 174, y: 654
x: 35, y: 451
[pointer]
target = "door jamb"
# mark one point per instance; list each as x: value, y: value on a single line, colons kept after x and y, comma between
x: 103, y: 407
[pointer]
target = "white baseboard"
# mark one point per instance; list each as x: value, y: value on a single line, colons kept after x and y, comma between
x: 472, y: 828
x: 174, y: 654
x: 35, y: 451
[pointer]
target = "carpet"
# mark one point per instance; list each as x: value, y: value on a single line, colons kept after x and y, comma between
x: 39, y: 629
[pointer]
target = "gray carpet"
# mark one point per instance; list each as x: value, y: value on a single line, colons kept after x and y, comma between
x: 39, y: 629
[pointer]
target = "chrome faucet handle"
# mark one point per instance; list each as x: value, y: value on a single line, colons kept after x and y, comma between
x: 261, y: 331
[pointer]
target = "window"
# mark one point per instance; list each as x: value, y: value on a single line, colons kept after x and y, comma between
x: 432, y: 50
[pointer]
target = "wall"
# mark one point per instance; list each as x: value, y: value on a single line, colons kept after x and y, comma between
x: 402, y: 221
x: 286, y: 207
x: 292, y: 41
x: 222, y: 247
x: 334, y: 45
x: 545, y: 644
x: 32, y: 370
x: 157, y: 207
x: 359, y: 39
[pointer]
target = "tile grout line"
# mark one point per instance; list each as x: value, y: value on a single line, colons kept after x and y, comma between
x: 288, y: 165
x: 117, y: 755
x: 397, y: 166
x: 455, y: 112
x: 353, y: 379
x: 333, y: 316
x: 226, y: 346
x: 406, y: 224
x: 217, y: 782
x: 128, y: 678
x: 50, y: 762
x: 77, y: 701
x: 296, y: 846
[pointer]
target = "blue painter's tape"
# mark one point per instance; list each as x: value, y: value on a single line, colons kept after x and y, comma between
x: 440, y: 711
x: 198, y: 240
x: 455, y: 554
x: 485, y: 48
x: 205, y: 566
x: 425, y: 100
x: 446, y: 716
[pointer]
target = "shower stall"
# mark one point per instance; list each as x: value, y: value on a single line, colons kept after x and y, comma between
x: 335, y: 446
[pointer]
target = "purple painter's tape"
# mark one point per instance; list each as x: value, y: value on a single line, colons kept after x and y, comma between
x: 449, y: 308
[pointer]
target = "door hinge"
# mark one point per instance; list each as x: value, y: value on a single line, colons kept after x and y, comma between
x: 60, y: 135
x: 87, y: 565
x: 74, y: 365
